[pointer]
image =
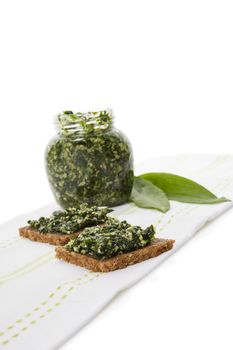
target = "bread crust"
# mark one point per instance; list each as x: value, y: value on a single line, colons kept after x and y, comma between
x: 157, y: 247
x: 51, y: 238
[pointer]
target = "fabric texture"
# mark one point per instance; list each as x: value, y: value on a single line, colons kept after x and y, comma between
x: 45, y: 301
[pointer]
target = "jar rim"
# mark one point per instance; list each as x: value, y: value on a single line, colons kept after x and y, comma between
x: 68, y: 123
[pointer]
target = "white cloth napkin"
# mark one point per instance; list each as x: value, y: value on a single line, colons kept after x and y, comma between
x: 43, y: 301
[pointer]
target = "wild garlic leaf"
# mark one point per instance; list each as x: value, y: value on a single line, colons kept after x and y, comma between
x: 181, y: 189
x: 147, y: 195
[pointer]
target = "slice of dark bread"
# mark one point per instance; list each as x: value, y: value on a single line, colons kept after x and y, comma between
x: 157, y: 247
x: 51, y: 238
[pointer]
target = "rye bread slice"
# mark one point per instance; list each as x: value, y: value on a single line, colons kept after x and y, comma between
x: 51, y: 238
x: 157, y: 247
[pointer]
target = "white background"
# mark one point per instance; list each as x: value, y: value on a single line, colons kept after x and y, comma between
x: 165, y: 67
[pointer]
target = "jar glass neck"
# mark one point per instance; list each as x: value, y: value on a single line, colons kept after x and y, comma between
x: 71, y: 124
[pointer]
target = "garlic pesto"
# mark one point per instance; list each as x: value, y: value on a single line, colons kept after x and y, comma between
x: 89, y: 161
x: 71, y: 220
x: 113, y: 238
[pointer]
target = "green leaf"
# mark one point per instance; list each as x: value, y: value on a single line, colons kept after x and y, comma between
x: 181, y: 189
x: 147, y: 195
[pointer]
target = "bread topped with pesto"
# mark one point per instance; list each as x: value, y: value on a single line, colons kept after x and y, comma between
x: 113, y: 246
x: 61, y: 226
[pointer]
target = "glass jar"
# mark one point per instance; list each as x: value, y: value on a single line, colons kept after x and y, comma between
x: 89, y: 161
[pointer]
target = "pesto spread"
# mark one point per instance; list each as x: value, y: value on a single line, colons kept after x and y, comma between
x: 90, y: 161
x: 71, y: 220
x: 113, y: 238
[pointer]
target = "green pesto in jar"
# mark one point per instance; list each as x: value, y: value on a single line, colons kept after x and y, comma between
x: 71, y: 220
x: 90, y: 161
x: 113, y: 238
